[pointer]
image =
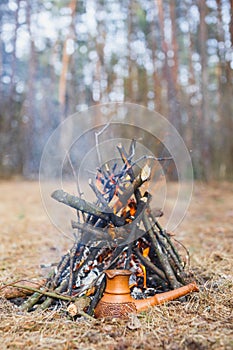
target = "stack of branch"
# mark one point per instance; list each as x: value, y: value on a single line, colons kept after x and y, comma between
x: 119, y: 230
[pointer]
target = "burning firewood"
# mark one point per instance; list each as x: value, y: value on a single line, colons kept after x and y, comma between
x: 118, y: 231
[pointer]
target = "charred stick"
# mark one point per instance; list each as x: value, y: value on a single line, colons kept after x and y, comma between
x: 177, y: 267
x: 126, y: 161
x: 125, y: 158
x: 92, y: 220
x: 86, y: 207
x: 143, y: 204
x: 168, y: 250
x: 161, y: 256
x: 168, y: 243
x: 115, y: 255
x: 132, y: 149
x: 156, y: 282
x: 149, y: 264
x: 124, y: 196
x: 71, y: 277
x: 61, y: 267
x: 103, y: 202
x: 79, y: 259
x: 96, y: 233
x: 99, y: 196
x: 125, y: 235
x: 163, y: 232
x: 176, y: 255
x: 108, y: 234
x: 128, y: 256
x: 97, y: 296
x: 133, y: 233
x: 179, y: 274
x: 134, y: 227
x: 95, y: 251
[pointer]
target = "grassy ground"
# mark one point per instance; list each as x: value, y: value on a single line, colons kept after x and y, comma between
x: 27, y: 239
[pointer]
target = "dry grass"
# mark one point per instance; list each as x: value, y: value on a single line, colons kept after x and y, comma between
x: 204, y: 322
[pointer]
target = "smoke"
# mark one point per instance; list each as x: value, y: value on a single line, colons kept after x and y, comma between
x: 87, y: 140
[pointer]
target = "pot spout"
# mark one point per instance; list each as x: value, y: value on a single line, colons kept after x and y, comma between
x: 117, y: 301
x: 162, y: 298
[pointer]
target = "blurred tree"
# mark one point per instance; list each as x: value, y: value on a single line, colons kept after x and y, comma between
x: 68, y: 50
x: 204, y: 116
x: 57, y: 58
x: 171, y: 63
x: 223, y: 157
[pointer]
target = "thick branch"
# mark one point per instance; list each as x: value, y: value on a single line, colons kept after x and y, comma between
x: 150, y: 265
x: 97, y: 233
x: 86, y: 207
x: 161, y: 256
x: 10, y: 291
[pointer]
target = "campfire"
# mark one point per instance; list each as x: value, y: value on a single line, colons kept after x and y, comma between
x: 118, y: 231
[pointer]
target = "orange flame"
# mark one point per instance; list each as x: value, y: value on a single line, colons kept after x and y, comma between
x: 145, y: 252
x: 144, y: 275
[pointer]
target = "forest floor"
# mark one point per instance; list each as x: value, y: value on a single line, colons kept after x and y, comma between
x: 205, y: 321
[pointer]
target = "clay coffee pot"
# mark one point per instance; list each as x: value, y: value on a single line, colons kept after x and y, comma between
x: 117, y: 301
